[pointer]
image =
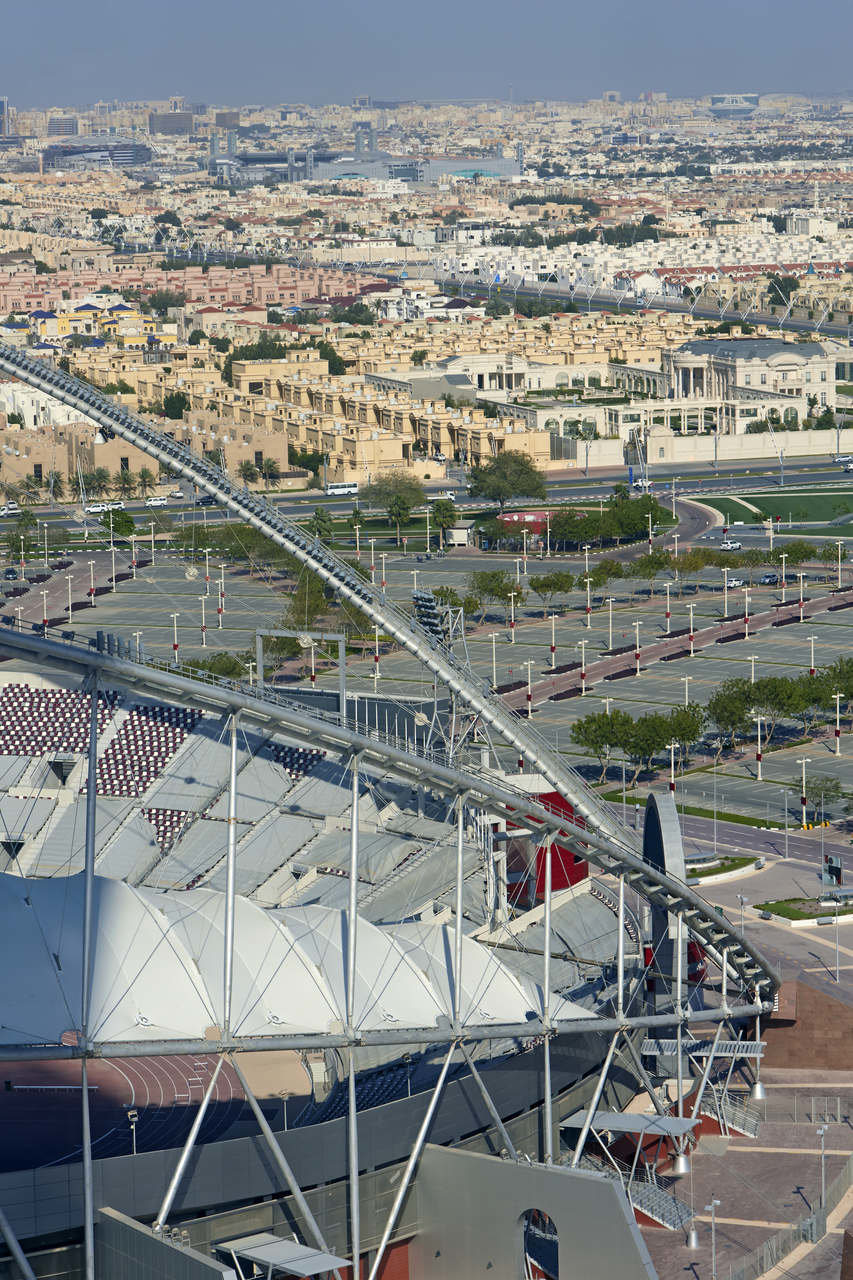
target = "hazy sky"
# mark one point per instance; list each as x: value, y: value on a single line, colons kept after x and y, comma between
x: 220, y: 51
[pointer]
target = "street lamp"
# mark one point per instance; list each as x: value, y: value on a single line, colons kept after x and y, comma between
x: 174, y: 617
x: 518, y: 570
x: 493, y: 635
x: 151, y: 527
x: 22, y: 555
x: 583, y: 642
x: 672, y: 747
x: 529, y: 665
x: 92, y: 583
x: 375, y: 659
x: 803, y: 762
x: 44, y: 612
x: 712, y: 1209
x: 743, y: 902
x: 553, y: 642
x: 753, y: 658
x: 132, y: 1117
x: 821, y: 1133
x: 586, y: 558
x: 675, y: 540
x: 207, y: 571
x: 840, y: 544
x: 746, y: 612
x: 811, y: 655
x: 758, y: 720
x: 801, y: 576
x: 691, y: 634
x: 548, y: 535
x: 636, y: 625
x: 666, y: 587
x: 725, y: 574
x: 203, y: 624
x: 372, y: 542
x: 68, y: 580
x: 220, y: 608
x: 588, y: 581
x: 382, y: 582
x: 783, y: 557
x: 512, y: 596
x: 685, y: 680
x: 836, y: 698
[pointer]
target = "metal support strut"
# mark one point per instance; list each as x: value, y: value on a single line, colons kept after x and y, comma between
x: 86, y: 994
x: 172, y: 1189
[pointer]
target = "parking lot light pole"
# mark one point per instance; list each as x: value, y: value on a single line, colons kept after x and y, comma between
x: 836, y: 698
x: 529, y: 665
x: 785, y: 812
x: 548, y: 535
x: 174, y: 617
x: 586, y: 548
x: 691, y: 633
x: 68, y: 580
x: 758, y: 757
x: 203, y: 623
x: 753, y: 658
x: 583, y: 642
x: 743, y: 902
x: 512, y: 596
x: 803, y: 762
x: 372, y: 542
x: 746, y: 613
x: 649, y: 518
x: 685, y: 680
x: 821, y: 1133
x: 637, y: 626
x: 44, y: 612
x: 839, y: 542
x: 675, y: 540
x: 724, y: 571
x: 22, y: 555
x: 610, y: 624
x: 801, y: 576
x: 133, y: 555
x: 493, y: 637
x: 357, y: 529
x: 667, y: 586
x: 811, y: 655
x: 553, y: 642
x: 672, y: 747
x: 151, y: 526
x: 784, y: 560
x: 221, y: 609
x: 518, y: 570
x: 588, y: 581
x: 92, y: 583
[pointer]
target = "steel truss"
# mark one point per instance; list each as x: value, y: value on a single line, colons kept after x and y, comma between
x: 593, y: 831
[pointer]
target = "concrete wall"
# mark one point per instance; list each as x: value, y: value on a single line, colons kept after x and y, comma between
x: 470, y: 1208
x: 125, y: 1250
x: 665, y: 448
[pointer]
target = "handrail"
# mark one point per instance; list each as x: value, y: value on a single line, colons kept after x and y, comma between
x: 606, y: 839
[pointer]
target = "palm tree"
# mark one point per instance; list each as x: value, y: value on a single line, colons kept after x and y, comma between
x: 30, y: 489
x: 124, y: 483
x: 145, y: 481
x: 248, y: 472
x: 97, y: 482
x: 271, y: 471
x: 55, y: 486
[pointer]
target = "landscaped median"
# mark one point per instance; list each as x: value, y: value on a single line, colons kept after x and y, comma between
x: 803, y: 913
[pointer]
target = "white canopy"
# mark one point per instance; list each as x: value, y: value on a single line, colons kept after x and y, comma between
x: 157, y: 969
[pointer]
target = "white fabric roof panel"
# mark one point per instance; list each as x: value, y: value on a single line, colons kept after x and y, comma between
x: 157, y: 971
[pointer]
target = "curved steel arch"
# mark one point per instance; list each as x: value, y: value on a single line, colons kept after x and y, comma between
x: 607, y: 841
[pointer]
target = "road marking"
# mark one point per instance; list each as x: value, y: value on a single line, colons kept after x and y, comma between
x: 743, y: 1222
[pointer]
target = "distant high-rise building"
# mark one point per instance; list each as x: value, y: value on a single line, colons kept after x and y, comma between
x: 611, y: 95
x: 62, y: 127
x: 227, y: 119
x: 5, y: 123
x: 175, y: 123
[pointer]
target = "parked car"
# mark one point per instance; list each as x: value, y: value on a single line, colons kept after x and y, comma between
x: 156, y: 501
x: 205, y: 500
x: 842, y: 458
x: 114, y: 506
x: 10, y: 574
x: 177, y: 493
x: 11, y: 509
x: 96, y: 508
x: 730, y: 544
x: 849, y: 466
x: 736, y: 582
x: 769, y: 579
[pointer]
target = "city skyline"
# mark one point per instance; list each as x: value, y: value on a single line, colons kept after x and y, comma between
x: 98, y: 51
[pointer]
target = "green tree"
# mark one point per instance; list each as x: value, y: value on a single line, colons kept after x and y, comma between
x: 443, y: 516
x: 648, y: 737
x: 307, y: 601
x: 397, y: 495
x: 197, y: 336
x: 247, y: 471
x: 271, y: 471
x: 121, y: 523
x: 321, y: 524
x: 145, y: 481
x: 162, y: 299
x: 175, y: 404
x: 55, y: 485
x: 493, y: 586
x: 419, y: 355
x: 510, y: 475
x: 729, y: 709
x: 124, y: 484
x: 821, y: 790
x: 686, y: 725
x: 600, y: 732
x: 549, y: 585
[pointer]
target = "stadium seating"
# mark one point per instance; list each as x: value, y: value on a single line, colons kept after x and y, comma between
x: 142, y: 747
x: 167, y: 824
x: 35, y: 721
x: 297, y: 762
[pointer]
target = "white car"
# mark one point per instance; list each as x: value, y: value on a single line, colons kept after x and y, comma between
x: 736, y: 582
x: 177, y: 493
x: 843, y: 457
x: 96, y: 508
x: 730, y: 544
x: 849, y: 466
x: 156, y: 502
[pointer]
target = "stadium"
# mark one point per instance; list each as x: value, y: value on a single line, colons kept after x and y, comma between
x: 293, y: 992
